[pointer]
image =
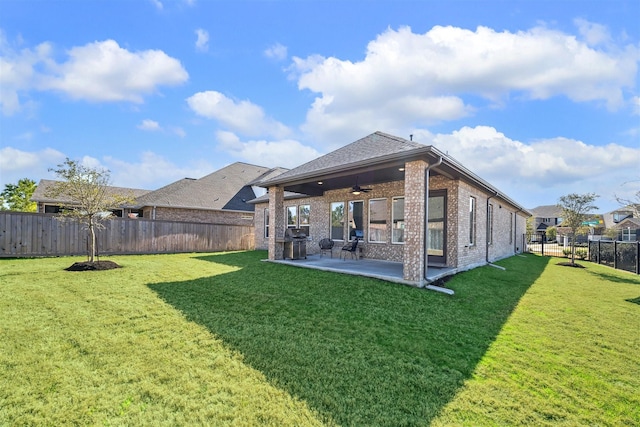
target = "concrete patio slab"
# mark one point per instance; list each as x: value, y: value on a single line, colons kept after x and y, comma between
x: 378, y: 269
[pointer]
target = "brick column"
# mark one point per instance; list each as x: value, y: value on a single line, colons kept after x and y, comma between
x: 414, y: 219
x: 276, y: 222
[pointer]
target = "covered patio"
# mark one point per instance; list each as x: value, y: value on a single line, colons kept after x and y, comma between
x: 377, y: 269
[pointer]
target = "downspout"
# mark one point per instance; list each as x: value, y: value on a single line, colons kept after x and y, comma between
x: 488, y: 230
x: 426, y: 220
x: 153, y: 213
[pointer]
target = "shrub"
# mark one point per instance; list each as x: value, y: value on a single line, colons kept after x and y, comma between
x: 581, y: 253
x: 566, y: 252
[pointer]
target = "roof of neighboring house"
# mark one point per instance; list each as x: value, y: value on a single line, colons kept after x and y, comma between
x: 547, y: 211
x: 40, y: 194
x: 228, y: 188
x: 628, y: 222
x: 373, y: 159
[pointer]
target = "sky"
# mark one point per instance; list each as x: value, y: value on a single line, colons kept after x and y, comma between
x: 539, y: 98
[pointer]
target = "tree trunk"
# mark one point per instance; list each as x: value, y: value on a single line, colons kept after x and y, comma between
x: 573, y: 248
x: 92, y: 240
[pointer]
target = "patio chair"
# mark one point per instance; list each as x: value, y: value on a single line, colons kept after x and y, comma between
x: 326, y: 245
x: 351, y: 248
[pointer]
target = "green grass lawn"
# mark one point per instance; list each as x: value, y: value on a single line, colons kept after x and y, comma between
x: 225, y: 339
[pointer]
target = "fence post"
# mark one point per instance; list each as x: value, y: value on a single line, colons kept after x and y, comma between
x: 542, y: 238
x: 615, y: 254
x: 598, y: 251
x: 637, y: 257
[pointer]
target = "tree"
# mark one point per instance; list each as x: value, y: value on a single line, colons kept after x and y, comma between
x: 87, y: 197
x: 575, y: 211
x: 17, y: 197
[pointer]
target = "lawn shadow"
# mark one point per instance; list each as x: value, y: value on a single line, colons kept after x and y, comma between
x: 631, y: 280
x: 634, y: 300
x: 359, y: 351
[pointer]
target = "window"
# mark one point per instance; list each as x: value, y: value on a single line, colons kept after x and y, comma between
x: 266, y: 222
x: 490, y: 225
x: 510, y: 227
x: 337, y: 221
x: 356, y: 219
x: 472, y: 221
x: 292, y: 217
x: 397, y: 220
x: 304, y: 218
x: 378, y: 220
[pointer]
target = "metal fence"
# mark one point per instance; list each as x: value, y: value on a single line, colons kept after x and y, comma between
x: 622, y: 255
x: 25, y: 234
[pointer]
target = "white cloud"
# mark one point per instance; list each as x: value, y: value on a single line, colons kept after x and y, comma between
x: 149, y: 125
x: 240, y: 116
x: 17, y: 72
x: 158, y: 4
x: 541, y: 170
x: 17, y: 164
x: 176, y: 130
x: 432, y: 74
x: 152, y: 171
x: 103, y: 71
x: 277, y: 52
x: 202, y: 42
x: 594, y: 34
x: 266, y: 153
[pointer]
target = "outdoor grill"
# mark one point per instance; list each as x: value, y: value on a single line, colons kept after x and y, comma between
x: 295, y: 243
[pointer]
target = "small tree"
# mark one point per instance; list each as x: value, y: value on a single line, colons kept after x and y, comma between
x: 17, y: 197
x: 86, y: 197
x: 575, y: 211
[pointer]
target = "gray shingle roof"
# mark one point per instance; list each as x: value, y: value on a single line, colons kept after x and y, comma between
x: 547, y: 211
x: 376, y: 145
x: 39, y: 195
x: 222, y: 189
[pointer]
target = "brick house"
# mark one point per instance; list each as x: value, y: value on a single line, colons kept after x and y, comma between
x: 220, y: 197
x: 375, y: 188
x: 47, y: 204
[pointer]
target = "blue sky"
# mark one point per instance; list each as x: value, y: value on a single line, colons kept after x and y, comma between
x: 539, y: 98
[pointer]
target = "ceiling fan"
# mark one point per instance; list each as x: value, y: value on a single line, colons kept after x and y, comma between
x: 356, y: 189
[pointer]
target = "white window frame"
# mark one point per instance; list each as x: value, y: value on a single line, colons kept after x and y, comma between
x: 331, y: 208
x: 305, y: 225
x: 266, y: 223
x: 385, y: 231
x: 394, y: 221
x: 472, y: 221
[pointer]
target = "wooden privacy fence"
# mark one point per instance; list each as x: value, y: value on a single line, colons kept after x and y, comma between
x: 25, y: 234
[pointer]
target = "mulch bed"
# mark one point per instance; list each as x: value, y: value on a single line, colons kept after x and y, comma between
x: 93, y: 266
x: 568, y: 264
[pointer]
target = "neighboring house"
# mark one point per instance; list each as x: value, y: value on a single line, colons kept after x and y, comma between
x: 614, y: 218
x: 220, y: 197
x: 375, y: 188
x: 48, y: 204
x: 624, y: 222
x: 545, y: 217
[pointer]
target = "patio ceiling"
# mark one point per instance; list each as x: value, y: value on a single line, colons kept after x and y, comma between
x: 363, y: 174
